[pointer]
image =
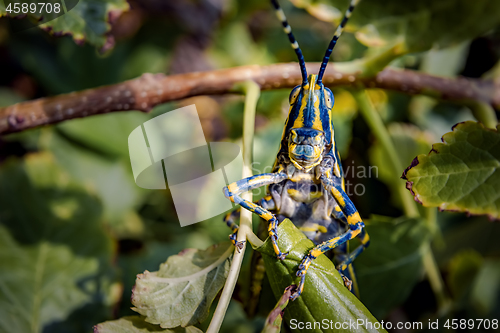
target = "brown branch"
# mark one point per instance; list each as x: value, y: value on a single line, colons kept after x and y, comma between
x: 145, y: 92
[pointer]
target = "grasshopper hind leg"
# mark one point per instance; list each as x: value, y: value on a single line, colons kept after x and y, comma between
x: 348, y: 275
x: 349, y: 258
x: 340, y: 255
x: 230, y: 218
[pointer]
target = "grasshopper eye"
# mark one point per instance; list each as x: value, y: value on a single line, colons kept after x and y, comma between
x: 329, y: 100
x: 294, y: 94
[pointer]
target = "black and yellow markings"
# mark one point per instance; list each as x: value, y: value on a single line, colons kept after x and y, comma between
x: 307, y: 169
x: 233, y: 191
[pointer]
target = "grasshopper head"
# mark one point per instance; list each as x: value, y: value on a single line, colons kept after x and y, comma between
x: 305, y: 147
x: 309, y: 128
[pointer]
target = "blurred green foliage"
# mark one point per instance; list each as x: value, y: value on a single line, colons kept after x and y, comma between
x: 75, y: 229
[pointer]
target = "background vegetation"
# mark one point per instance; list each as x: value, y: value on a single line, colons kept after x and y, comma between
x: 75, y: 229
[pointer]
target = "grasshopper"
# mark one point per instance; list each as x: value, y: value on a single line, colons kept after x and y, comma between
x: 307, y: 184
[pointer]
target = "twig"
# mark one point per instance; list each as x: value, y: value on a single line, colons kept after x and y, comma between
x: 252, y: 93
x: 145, y: 92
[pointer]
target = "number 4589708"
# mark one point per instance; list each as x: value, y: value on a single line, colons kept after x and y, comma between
x: 487, y: 324
x: 33, y: 8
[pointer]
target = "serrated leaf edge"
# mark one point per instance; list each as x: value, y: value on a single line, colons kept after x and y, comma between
x: 415, y: 162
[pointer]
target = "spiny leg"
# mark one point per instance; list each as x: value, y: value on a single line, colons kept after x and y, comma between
x: 345, y: 267
x: 349, y: 279
x: 338, y: 214
x: 319, y: 250
x: 355, y: 225
x: 348, y: 209
x: 340, y: 253
x: 230, y: 218
x: 348, y: 273
x: 233, y: 191
x: 365, y: 241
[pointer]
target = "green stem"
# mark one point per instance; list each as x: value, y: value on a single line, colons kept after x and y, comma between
x: 436, y: 281
x: 429, y: 262
x: 431, y: 218
x: 377, y: 126
x: 484, y: 113
x: 436, y: 234
x: 252, y: 93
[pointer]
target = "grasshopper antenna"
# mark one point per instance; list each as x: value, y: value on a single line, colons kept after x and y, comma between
x: 333, y: 42
x: 288, y: 30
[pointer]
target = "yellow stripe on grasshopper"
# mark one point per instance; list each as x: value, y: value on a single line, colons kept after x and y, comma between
x: 315, y: 254
x: 354, y: 218
x: 299, y: 121
x: 338, y: 196
x: 296, y: 194
x: 233, y: 187
x: 267, y: 216
x: 365, y: 238
x: 314, y: 227
x: 260, y: 178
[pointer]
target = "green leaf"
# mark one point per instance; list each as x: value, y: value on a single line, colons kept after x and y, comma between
x: 419, y: 24
x: 55, y: 256
x: 136, y: 324
x: 460, y: 174
x: 324, y: 295
x: 390, y: 267
x: 88, y: 21
x: 181, y: 292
